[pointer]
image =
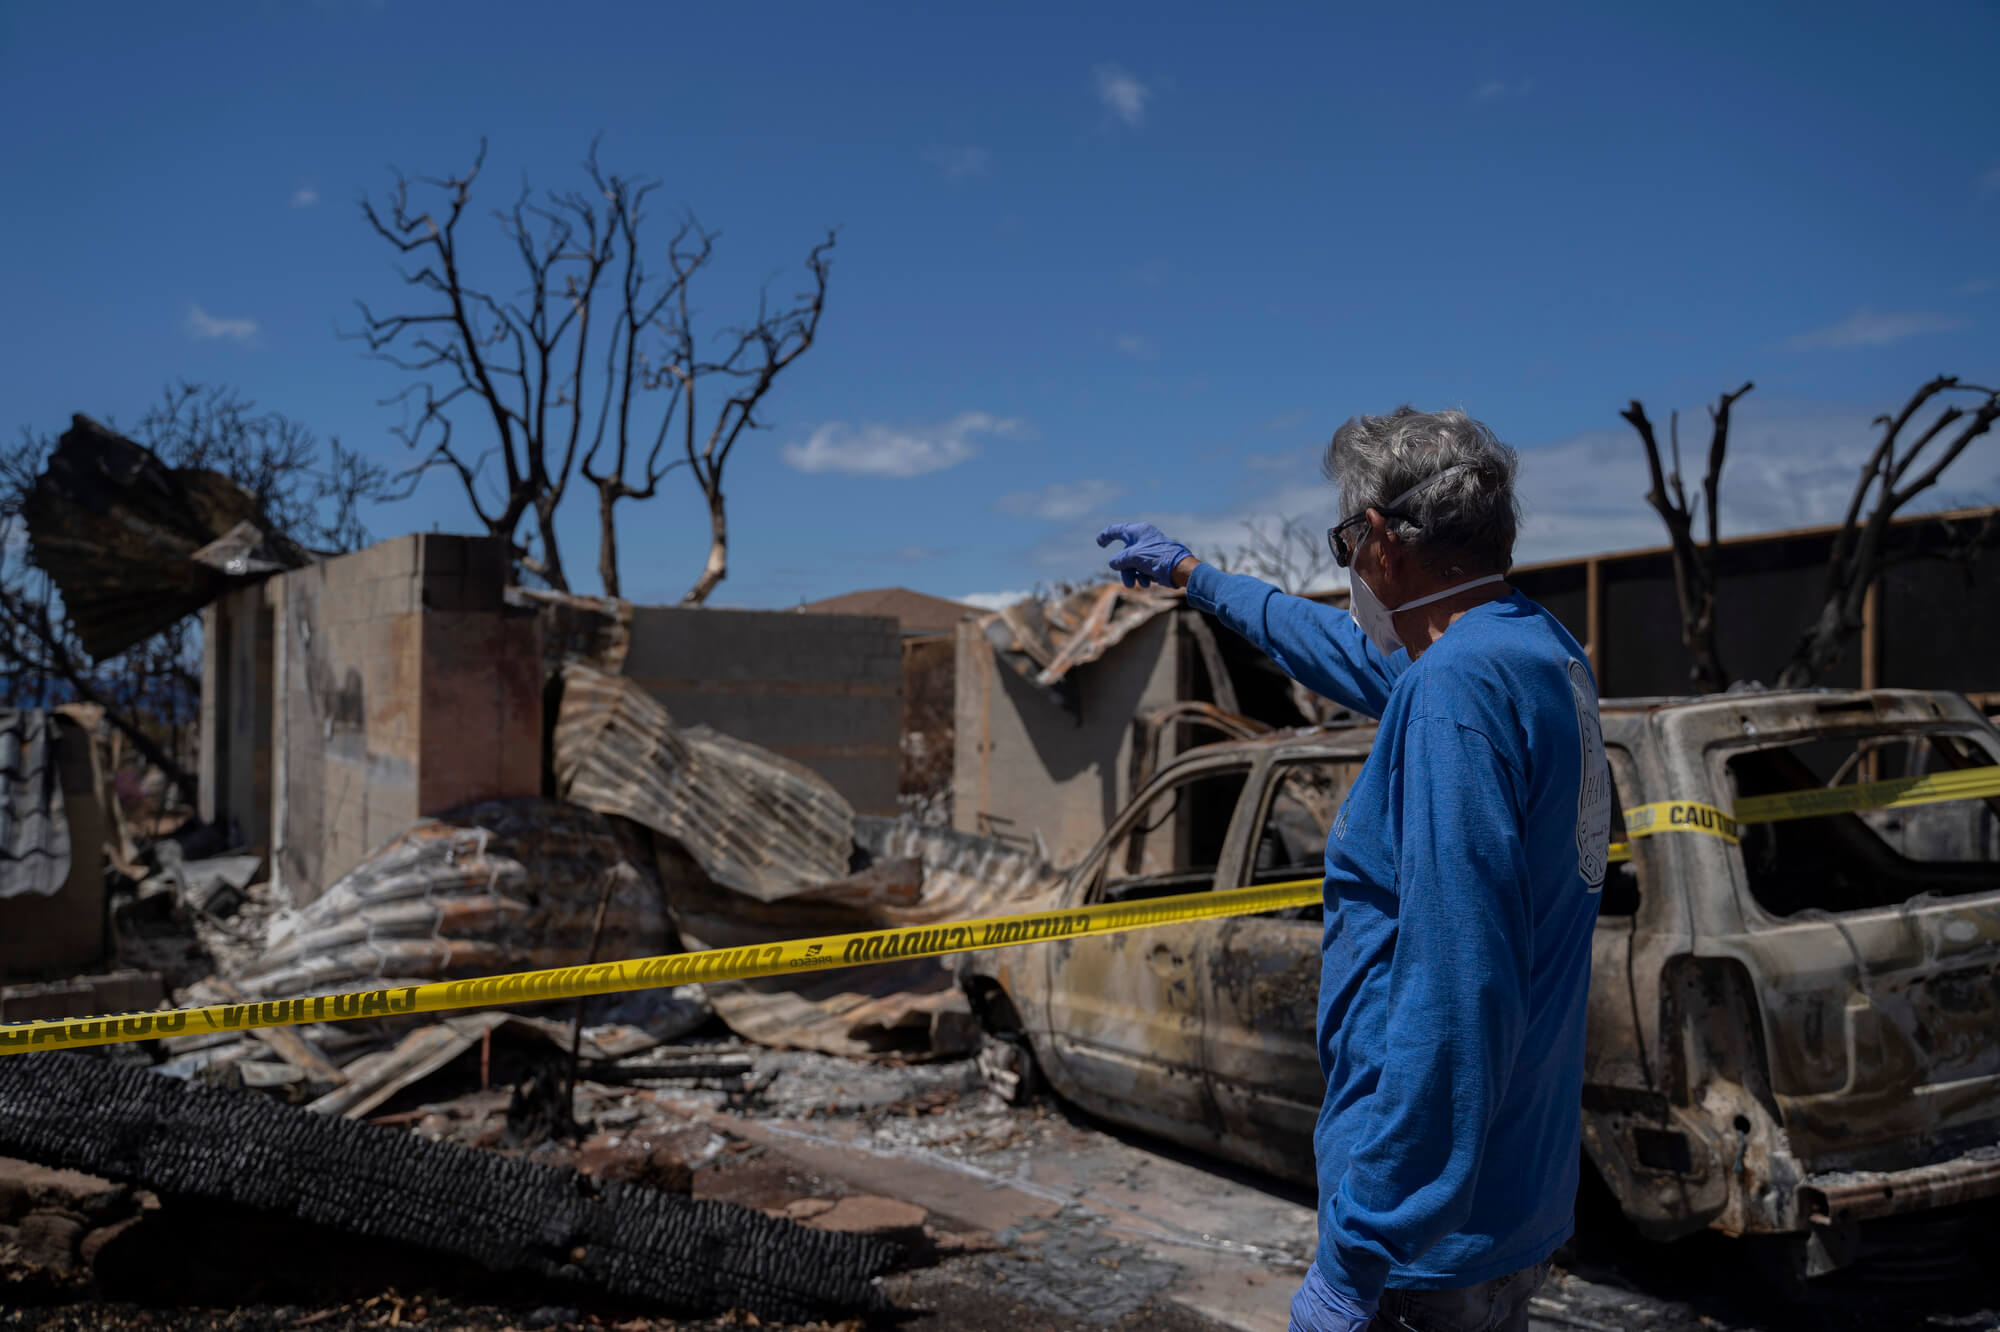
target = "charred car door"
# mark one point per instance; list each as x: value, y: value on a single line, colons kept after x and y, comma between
x: 1124, y: 1010
x: 1260, y: 974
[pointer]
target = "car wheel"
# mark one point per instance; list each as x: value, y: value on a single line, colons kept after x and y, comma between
x: 1007, y: 1066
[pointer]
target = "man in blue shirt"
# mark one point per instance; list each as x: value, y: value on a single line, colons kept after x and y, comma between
x: 1462, y: 881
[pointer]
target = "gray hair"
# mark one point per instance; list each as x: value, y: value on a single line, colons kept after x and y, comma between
x: 1466, y: 520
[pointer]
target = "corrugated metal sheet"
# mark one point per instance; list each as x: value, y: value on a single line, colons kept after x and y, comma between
x: 34, y: 827
x: 755, y: 822
x: 911, y: 875
x: 504, y: 885
x: 1045, y: 641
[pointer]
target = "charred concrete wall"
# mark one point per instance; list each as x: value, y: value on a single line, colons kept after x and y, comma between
x: 822, y: 690
x: 1055, y: 762
x: 405, y: 685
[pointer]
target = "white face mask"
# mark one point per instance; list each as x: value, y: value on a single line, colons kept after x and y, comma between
x: 1378, y: 621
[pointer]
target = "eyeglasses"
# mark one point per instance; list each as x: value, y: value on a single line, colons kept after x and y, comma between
x: 1337, y: 542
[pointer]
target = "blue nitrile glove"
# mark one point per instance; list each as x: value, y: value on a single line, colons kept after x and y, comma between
x: 1318, y: 1307
x: 1149, y: 556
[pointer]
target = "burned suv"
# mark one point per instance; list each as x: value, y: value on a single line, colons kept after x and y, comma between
x: 1794, y: 1023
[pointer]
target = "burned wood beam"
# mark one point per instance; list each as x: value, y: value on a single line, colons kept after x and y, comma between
x: 516, y: 1217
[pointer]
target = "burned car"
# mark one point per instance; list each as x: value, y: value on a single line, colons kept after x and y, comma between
x: 1794, y: 1024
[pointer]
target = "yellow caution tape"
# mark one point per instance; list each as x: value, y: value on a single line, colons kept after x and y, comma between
x: 846, y: 950
x: 1672, y: 816
x: 1897, y: 793
x: 773, y: 959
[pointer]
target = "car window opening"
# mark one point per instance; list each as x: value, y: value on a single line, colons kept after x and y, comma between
x: 1290, y: 840
x: 1874, y: 858
x: 1174, y: 845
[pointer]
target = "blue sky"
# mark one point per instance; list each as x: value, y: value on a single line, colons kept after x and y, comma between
x: 1136, y: 261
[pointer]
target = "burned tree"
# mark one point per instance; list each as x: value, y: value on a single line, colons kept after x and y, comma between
x: 755, y: 357
x: 1889, y: 480
x: 1288, y: 552
x: 548, y: 397
x: 1695, y: 566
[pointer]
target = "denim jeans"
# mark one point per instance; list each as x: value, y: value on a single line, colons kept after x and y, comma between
x: 1499, y: 1305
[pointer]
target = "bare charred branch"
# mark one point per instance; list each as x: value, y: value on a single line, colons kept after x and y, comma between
x: 1862, y: 548
x: 761, y: 353
x: 1290, y: 553
x: 1696, y: 575
x: 531, y: 362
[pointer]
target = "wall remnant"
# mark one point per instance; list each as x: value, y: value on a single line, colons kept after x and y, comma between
x: 1045, y: 722
x: 822, y: 690
x: 404, y: 684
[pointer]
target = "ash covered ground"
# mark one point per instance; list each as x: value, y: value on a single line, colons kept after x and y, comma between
x: 1026, y: 1216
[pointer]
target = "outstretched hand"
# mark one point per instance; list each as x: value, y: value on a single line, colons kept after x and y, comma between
x: 1149, y: 557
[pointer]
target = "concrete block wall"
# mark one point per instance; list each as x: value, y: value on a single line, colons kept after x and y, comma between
x: 823, y: 690
x: 1026, y: 764
x: 407, y: 686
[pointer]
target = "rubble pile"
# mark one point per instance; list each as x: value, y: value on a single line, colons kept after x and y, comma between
x: 54, y: 1224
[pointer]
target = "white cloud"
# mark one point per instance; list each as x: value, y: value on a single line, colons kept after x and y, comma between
x: 993, y: 601
x: 1977, y: 286
x: 205, y: 326
x: 1059, y: 502
x: 895, y: 451
x: 958, y: 163
x: 305, y: 196
x: 1136, y: 345
x: 1989, y: 180
x: 1866, y: 328
x: 1122, y: 94
x: 1492, y: 90
x: 1789, y: 465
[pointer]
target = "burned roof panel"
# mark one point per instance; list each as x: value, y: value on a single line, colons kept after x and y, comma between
x: 135, y: 545
x: 755, y: 822
x: 502, y: 885
x: 912, y: 874
x: 1044, y: 641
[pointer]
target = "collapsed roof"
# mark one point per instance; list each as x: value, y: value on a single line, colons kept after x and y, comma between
x: 1044, y: 640
x: 135, y: 545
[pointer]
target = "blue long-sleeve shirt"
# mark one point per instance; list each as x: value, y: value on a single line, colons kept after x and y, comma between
x: 1462, y: 874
